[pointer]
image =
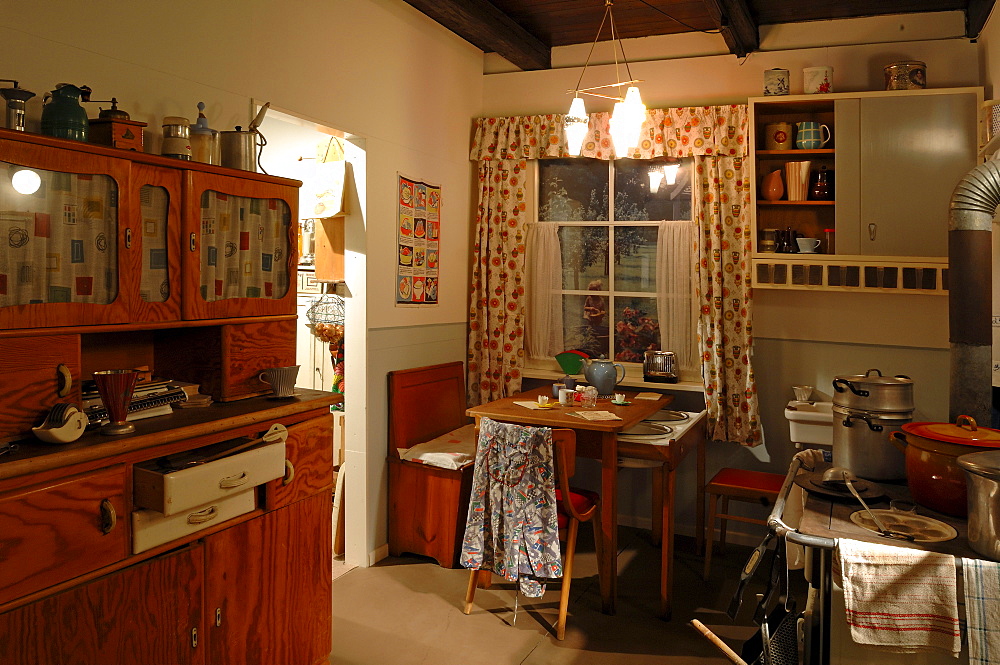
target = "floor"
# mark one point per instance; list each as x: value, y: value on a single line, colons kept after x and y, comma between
x: 408, y: 611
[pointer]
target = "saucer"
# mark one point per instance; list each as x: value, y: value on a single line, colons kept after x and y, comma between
x: 808, y: 251
x: 620, y: 403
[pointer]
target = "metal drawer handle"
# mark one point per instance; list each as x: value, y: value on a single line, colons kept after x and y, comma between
x: 230, y: 482
x: 109, y: 518
x: 203, y: 516
x: 289, y: 472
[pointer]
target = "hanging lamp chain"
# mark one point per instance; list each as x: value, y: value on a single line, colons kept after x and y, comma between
x: 615, y: 37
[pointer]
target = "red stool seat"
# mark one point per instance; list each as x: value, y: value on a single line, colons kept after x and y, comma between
x: 741, y: 485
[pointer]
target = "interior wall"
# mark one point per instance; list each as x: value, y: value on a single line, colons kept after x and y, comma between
x: 799, y: 337
x: 376, y: 69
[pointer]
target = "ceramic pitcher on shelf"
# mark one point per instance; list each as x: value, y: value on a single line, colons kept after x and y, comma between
x: 603, y: 375
x: 811, y: 135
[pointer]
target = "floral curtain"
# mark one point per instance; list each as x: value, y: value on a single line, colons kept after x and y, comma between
x: 715, y: 136
x: 496, y: 315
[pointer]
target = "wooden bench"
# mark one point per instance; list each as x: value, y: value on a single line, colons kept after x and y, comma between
x: 427, y: 504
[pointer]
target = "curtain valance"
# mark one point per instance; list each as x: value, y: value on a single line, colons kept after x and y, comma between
x: 676, y: 132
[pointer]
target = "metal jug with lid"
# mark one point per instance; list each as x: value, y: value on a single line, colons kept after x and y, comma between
x: 62, y: 114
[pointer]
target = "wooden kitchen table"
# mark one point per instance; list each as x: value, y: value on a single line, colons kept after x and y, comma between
x: 505, y: 410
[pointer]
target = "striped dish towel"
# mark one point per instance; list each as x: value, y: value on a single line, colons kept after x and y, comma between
x: 982, y: 609
x: 900, y: 599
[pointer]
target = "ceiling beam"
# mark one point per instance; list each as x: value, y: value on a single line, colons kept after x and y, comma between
x: 737, y: 25
x: 975, y: 17
x: 483, y: 25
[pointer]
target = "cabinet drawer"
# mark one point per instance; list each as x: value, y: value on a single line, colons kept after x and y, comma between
x: 30, y: 379
x: 171, y: 492
x: 151, y: 528
x: 310, y: 463
x: 54, y: 532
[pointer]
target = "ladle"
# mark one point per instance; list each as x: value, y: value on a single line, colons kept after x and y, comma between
x: 878, y: 523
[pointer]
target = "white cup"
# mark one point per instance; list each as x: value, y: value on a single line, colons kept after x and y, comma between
x: 543, y: 400
x: 802, y: 393
x: 282, y: 380
x: 808, y: 245
x: 619, y: 398
x: 566, y: 396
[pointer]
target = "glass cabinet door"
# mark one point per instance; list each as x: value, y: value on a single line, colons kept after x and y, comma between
x: 154, y: 244
x: 242, y: 248
x: 60, y: 259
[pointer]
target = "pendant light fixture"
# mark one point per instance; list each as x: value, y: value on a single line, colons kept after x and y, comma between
x: 629, y: 112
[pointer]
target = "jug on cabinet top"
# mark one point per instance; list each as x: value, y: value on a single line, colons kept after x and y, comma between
x: 62, y: 114
x: 603, y: 375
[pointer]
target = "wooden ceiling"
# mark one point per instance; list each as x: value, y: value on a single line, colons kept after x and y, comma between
x: 524, y: 31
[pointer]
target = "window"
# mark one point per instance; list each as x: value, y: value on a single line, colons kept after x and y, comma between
x: 611, y: 259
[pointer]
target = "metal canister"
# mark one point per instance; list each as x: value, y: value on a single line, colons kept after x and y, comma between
x: 906, y: 75
x: 239, y: 149
x: 176, y: 137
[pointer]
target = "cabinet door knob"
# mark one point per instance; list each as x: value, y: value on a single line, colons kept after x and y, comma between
x: 64, y: 380
x: 289, y: 472
x: 128, y: 238
x: 193, y: 243
x: 108, y: 517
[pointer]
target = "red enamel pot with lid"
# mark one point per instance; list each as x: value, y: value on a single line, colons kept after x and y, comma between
x: 932, y: 472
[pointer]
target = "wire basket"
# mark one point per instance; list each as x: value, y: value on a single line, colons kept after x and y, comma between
x: 328, y: 308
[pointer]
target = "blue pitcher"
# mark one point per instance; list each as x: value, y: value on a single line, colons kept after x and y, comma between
x: 62, y: 114
x: 603, y: 375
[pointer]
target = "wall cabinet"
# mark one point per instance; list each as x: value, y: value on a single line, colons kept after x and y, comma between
x: 895, y: 158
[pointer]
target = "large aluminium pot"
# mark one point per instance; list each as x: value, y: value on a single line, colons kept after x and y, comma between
x: 982, y: 471
x: 860, y: 443
x: 864, y: 392
x: 932, y: 449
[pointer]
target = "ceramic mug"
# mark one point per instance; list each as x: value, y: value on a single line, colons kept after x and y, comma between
x: 811, y: 135
x: 807, y: 245
x: 778, y: 136
x: 566, y: 396
x: 282, y: 380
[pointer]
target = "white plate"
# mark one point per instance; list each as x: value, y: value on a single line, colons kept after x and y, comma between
x: 923, y: 529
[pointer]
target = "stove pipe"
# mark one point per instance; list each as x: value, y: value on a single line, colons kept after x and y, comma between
x: 970, y: 284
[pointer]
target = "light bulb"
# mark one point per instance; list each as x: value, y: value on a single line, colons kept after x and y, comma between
x: 26, y: 181
x: 626, y: 121
x: 576, y: 123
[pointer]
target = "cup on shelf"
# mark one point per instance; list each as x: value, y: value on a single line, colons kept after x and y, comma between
x: 282, y: 380
x: 778, y: 136
x: 802, y: 393
x: 115, y: 387
x: 808, y: 245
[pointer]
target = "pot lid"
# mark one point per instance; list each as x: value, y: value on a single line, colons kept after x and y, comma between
x: 986, y: 463
x: 964, y: 432
x: 668, y: 415
x: 874, y: 376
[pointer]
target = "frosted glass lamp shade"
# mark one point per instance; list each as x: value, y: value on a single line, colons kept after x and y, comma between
x: 626, y: 121
x: 25, y: 182
x: 670, y: 171
x: 575, y: 123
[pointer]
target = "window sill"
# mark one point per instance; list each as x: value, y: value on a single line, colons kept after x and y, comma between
x: 631, y: 382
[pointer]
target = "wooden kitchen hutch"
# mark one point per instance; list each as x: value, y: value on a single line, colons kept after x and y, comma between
x: 123, y: 259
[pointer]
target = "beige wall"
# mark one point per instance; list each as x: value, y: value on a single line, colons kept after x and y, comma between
x: 404, y: 87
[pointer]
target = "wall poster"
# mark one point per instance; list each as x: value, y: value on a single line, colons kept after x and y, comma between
x: 418, y: 241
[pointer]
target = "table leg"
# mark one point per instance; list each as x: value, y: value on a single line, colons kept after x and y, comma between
x: 699, y: 537
x: 667, y: 545
x: 609, y: 521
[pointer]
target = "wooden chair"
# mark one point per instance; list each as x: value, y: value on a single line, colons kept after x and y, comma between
x: 427, y: 504
x: 574, y: 506
x: 741, y: 485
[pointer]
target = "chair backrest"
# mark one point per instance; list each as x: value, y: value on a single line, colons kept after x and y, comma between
x: 424, y: 403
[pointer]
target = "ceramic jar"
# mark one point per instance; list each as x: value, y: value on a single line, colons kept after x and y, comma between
x: 771, y: 186
x: 778, y: 136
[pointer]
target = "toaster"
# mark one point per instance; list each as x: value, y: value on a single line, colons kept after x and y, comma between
x: 659, y: 367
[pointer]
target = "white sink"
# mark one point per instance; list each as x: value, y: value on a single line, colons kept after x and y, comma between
x: 810, y: 422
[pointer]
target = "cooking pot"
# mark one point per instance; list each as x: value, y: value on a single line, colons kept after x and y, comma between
x: 933, y: 475
x: 982, y: 471
x: 860, y: 444
x: 865, y: 392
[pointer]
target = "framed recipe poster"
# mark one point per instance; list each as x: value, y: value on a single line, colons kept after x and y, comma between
x: 418, y: 236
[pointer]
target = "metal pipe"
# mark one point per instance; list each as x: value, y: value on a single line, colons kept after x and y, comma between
x: 970, y: 285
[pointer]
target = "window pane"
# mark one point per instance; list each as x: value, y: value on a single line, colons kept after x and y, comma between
x: 572, y: 190
x: 635, y: 199
x: 637, y: 330
x: 635, y: 258
x: 584, y: 252
x: 584, y: 327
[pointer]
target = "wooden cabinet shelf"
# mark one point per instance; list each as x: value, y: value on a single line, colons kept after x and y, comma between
x: 796, y: 153
x: 796, y: 203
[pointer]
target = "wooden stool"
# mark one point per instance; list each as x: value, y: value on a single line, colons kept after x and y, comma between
x: 752, y: 486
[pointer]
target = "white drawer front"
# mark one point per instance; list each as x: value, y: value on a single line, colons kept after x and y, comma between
x: 174, y: 492
x: 150, y: 528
